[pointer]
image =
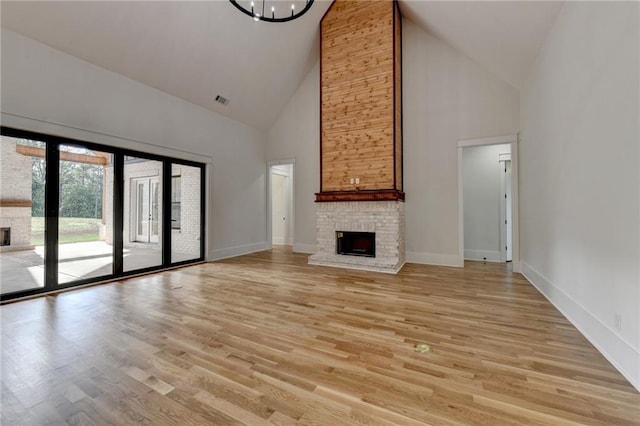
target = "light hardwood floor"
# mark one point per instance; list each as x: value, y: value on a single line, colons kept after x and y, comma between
x: 268, y: 339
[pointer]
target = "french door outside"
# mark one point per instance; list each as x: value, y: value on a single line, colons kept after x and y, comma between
x: 147, y: 209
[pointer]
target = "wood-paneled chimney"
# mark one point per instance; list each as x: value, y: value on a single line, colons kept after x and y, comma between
x: 361, y: 102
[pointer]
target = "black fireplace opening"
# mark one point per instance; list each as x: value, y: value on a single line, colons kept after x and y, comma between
x: 5, y: 236
x: 356, y: 243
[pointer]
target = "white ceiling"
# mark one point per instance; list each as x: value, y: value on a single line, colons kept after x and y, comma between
x: 503, y: 36
x: 196, y: 50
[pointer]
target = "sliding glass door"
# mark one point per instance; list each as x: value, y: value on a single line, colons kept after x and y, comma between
x: 22, y: 180
x: 142, y: 236
x: 73, y: 212
x: 84, y: 248
x: 145, y: 200
x: 186, y: 199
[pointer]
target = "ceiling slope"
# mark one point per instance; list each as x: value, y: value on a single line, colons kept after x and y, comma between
x: 196, y: 50
x: 503, y: 36
x: 192, y: 50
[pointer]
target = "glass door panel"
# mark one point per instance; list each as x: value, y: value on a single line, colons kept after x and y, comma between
x: 85, y: 240
x: 142, y: 236
x: 142, y: 209
x: 154, y: 229
x: 185, y: 212
x: 22, y: 180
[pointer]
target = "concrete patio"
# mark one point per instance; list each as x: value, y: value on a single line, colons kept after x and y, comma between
x: 24, y: 270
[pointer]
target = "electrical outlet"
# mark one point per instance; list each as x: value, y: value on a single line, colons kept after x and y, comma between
x: 352, y: 180
x: 617, y: 321
x: 357, y: 181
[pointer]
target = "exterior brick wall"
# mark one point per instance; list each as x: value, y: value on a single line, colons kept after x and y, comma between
x: 15, y: 185
x: 385, y: 218
x: 186, y: 240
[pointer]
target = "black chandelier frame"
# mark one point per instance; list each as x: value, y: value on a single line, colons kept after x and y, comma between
x: 258, y: 13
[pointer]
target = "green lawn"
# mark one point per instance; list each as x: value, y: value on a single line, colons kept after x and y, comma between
x: 72, y: 230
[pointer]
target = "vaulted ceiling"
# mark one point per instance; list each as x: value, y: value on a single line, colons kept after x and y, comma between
x: 503, y: 36
x: 197, y: 50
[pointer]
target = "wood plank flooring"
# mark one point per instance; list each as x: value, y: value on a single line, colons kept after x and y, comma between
x: 268, y: 339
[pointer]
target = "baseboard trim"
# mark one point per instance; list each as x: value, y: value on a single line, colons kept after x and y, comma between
x: 304, y: 248
x: 489, y: 256
x: 516, y: 266
x: 228, y: 252
x: 613, y: 347
x: 437, y: 259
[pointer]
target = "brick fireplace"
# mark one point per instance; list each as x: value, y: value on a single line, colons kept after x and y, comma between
x: 384, y: 218
x: 356, y: 243
x: 361, y: 135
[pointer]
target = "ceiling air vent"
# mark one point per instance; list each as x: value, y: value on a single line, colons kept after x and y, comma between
x: 222, y: 100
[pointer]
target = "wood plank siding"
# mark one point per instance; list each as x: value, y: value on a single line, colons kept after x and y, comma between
x: 361, y: 115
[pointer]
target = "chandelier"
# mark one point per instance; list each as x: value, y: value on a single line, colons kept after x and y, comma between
x: 273, y: 10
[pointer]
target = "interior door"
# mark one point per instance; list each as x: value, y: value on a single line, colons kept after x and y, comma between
x: 508, y: 213
x: 279, y: 213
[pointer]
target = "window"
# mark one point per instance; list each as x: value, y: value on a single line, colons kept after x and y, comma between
x: 175, y: 202
x: 186, y: 199
x: 142, y: 236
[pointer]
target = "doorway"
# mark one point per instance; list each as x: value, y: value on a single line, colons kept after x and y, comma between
x: 488, y: 200
x: 281, y: 203
x: 147, y: 209
x: 506, y: 217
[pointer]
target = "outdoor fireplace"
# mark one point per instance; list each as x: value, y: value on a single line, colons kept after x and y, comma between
x: 5, y: 236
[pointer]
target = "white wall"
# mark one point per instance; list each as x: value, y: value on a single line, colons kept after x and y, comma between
x: 49, y: 91
x: 580, y: 181
x: 296, y: 134
x: 482, y: 175
x: 446, y: 97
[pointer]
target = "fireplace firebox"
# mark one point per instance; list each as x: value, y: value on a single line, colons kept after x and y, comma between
x: 356, y: 243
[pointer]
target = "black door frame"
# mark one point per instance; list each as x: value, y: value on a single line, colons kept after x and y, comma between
x: 52, y: 193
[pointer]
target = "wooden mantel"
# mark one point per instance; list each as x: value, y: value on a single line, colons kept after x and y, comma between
x: 361, y: 102
x: 367, y: 195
